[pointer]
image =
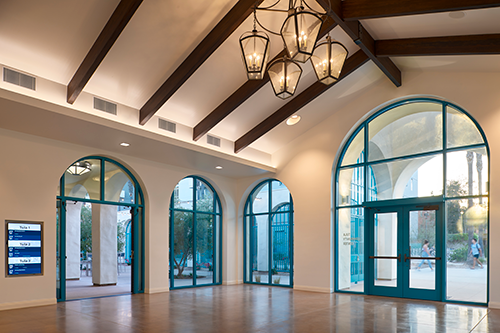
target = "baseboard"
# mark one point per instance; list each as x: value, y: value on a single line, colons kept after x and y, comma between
x: 157, y: 290
x: 313, y: 289
x: 28, y: 304
x: 232, y: 283
x: 494, y: 305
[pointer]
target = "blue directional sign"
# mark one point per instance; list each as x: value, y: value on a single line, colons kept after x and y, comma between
x: 24, y: 248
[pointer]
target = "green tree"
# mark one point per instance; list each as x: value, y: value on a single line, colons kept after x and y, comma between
x: 454, y: 188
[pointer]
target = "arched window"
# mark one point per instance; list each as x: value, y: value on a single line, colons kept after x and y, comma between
x: 195, y: 234
x: 426, y: 162
x: 96, y: 198
x: 268, y: 235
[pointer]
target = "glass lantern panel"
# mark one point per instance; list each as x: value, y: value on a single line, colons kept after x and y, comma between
x: 255, y: 53
x: 338, y: 56
x: 319, y: 61
x: 300, y: 32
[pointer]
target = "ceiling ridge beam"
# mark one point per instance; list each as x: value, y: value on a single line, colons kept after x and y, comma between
x: 231, y: 21
x: 108, y: 36
x: 316, y: 89
x: 362, y: 38
x: 366, y: 9
x: 244, y: 92
x: 433, y: 46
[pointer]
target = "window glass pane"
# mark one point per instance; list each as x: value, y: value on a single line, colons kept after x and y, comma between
x: 260, y: 248
x: 409, y: 178
x: 260, y: 199
x: 405, y: 130
x: 248, y: 254
x: 183, y: 249
x: 204, y: 248
x: 280, y: 233
x: 355, y: 152
x: 467, y: 219
x: 204, y: 197
x: 351, y: 187
x: 118, y: 186
x: 460, y: 129
x: 351, y: 249
x: 183, y: 194
x: 422, y: 236
x: 216, y: 261
x: 280, y: 195
x: 385, y: 244
x: 82, y: 180
x: 467, y: 172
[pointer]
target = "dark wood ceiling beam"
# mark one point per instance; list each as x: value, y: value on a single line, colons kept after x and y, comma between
x: 365, y: 9
x: 432, y: 46
x: 362, y: 38
x: 352, y: 63
x: 116, y: 23
x: 243, y: 93
x: 233, y: 19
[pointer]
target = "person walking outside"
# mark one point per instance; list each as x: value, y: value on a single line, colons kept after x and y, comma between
x: 425, y: 253
x: 476, y: 251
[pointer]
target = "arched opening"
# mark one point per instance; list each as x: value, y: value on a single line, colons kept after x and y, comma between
x: 268, y: 235
x: 411, y: 183
x: 100, y: 230
x: 195, y: 234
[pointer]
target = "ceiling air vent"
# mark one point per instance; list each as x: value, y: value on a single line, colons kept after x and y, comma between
x: 166, y: 125
x: 19, y: 79
x: 100, y: 104
x: 212, y: 140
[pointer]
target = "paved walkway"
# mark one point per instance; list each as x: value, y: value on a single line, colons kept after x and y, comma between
x: 84, y: 288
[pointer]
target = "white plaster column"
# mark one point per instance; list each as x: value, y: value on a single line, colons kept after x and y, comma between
x: 262, y: 242
x: 104, y: 244
x: 387, y: 244
x: 73, y: 215
x: 344, y: 248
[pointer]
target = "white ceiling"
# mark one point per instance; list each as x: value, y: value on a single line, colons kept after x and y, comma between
x: 50, y: 38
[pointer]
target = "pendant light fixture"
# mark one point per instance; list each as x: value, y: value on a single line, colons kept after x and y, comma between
x: 328, y: 60
x: 255, y: 52
x: 80, y: 168
x: 300, y: 32
x: 284, y: 74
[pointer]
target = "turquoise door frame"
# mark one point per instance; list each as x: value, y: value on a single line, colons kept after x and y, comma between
x: 402, y: 254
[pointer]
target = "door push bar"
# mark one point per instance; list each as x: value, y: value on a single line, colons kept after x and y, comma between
x: 421, y: 258
x: 377, y: 257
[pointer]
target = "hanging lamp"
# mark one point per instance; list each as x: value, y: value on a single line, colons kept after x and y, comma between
x: 255, y: 52
x: 284, y: 74
x: 328, y: 59
x: 80, y: 168
x: 300, y: 32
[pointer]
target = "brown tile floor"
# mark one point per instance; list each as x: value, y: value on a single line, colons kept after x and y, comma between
x: 248, y: 308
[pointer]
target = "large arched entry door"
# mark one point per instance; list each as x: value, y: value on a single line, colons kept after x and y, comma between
x: 411, y: 203
x: 97, y: 197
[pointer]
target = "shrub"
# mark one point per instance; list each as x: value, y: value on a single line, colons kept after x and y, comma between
x: 456, y: 238
x: 459, y: 254
x: 277, y: 280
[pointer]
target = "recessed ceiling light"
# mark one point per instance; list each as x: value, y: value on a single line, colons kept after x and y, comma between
x: 218, y: 167
x: 293, y: 120
x: 124, y: 144
x: 456, y: 15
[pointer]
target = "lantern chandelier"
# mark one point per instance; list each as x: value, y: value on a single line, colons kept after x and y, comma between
x: 299, y: 32
x: 80, y: 168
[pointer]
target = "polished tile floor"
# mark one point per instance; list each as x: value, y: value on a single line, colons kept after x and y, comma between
x: 247, y: 308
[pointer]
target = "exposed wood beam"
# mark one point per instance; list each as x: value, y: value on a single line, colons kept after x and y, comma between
x: 365, y: 9
x: 432, y: 46
x: 352, y: 63
x: 243, y: 93
x: 116, y: 23
x: 233, y: 19
x: 362, y: 38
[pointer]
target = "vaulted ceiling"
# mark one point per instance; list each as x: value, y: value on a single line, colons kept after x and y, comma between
x: 180, y: 60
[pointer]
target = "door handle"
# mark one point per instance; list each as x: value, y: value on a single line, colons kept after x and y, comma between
x: 381, y: 257
x: 421, y: 258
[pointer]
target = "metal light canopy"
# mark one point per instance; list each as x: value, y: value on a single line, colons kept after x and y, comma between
x: 300, y: 33
x: 255, y: 53
x: 80, y: 168
x: 328, y: 60
x: 284, y: 74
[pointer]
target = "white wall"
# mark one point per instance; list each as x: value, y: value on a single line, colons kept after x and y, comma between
x: 305, y: 165
x: 30, y: 169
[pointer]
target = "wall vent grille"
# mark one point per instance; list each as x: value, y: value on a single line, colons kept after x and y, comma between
x: 19, y: 79
x: 212, y: 140
x: 100, y: 104
x: 167, y: 125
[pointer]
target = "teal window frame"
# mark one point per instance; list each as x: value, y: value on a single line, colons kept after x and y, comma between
x: 138, y: 232
x: 249, y: 215
x: 366, y: 164
x: 217, y: 237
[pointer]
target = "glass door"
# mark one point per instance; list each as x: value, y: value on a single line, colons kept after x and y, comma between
x: 404, y: 252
